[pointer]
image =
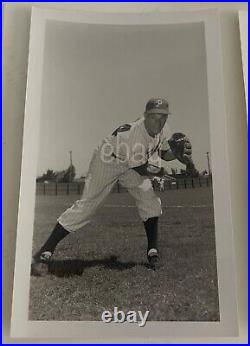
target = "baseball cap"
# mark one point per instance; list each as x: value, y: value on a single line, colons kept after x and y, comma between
x: 157, y: 105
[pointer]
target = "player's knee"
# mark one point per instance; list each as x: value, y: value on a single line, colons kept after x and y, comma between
x: 150, y: 208
x: 156, y: 207
x: 146, y: 185
x: 159, y: 209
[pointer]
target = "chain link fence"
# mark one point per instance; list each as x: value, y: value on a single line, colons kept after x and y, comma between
x: 75, y: 188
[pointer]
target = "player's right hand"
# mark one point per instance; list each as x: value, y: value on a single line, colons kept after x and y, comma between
x: 156, y: 171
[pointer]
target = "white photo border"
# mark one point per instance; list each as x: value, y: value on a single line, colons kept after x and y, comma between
x: 228, y: 325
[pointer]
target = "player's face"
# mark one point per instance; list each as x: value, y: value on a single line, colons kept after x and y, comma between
x: 154, y: 123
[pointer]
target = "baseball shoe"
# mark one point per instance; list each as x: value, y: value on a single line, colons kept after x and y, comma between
x: 40, y: 263
x: 153, y: 258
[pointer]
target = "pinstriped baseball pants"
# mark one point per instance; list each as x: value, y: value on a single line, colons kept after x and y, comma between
x: 100, y: 179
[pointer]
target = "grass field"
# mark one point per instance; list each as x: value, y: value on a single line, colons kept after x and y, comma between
x: 105, y: 265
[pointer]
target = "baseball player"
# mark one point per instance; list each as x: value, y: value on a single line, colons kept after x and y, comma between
x: 123, y: 156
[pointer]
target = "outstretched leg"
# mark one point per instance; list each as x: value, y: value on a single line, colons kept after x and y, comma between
x: 99, y: 182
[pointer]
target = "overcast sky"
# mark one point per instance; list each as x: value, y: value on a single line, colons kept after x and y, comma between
x: 97, y: 77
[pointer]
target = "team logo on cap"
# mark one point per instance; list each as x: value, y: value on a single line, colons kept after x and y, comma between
x: 158, y: 102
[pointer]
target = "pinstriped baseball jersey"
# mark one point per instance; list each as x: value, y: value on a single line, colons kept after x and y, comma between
x: 131, y: 143
x: 129, y: 146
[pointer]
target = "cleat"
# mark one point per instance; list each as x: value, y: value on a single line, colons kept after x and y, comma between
x: 40, y: 263
x: 153, y: 258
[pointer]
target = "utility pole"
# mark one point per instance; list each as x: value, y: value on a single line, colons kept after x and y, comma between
x: 70, y: 156
x: 208, y: 163
x: 70, y: 167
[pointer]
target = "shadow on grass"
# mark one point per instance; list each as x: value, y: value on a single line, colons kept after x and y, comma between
x: 72, y: 267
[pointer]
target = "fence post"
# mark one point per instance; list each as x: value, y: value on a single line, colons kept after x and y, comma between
x: 67, y: 188
x: 192, y: 183
x: 44, y: 191
x: 200, y: 182
x: 185, y: 183
x: 56, y: 189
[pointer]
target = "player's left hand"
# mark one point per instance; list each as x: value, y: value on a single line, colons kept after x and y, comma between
x: 181, y: 147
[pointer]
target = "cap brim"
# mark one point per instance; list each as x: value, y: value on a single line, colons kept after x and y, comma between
x: 158, y: 111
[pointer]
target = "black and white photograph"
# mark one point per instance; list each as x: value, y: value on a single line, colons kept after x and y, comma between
x: 122, y: 231
x: 123, y: 228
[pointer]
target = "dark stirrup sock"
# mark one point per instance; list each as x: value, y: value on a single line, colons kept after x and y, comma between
x: 151, y: 227
x: 56, y: 236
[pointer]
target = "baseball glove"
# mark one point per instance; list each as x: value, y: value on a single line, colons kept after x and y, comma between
x: 182, y: 149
